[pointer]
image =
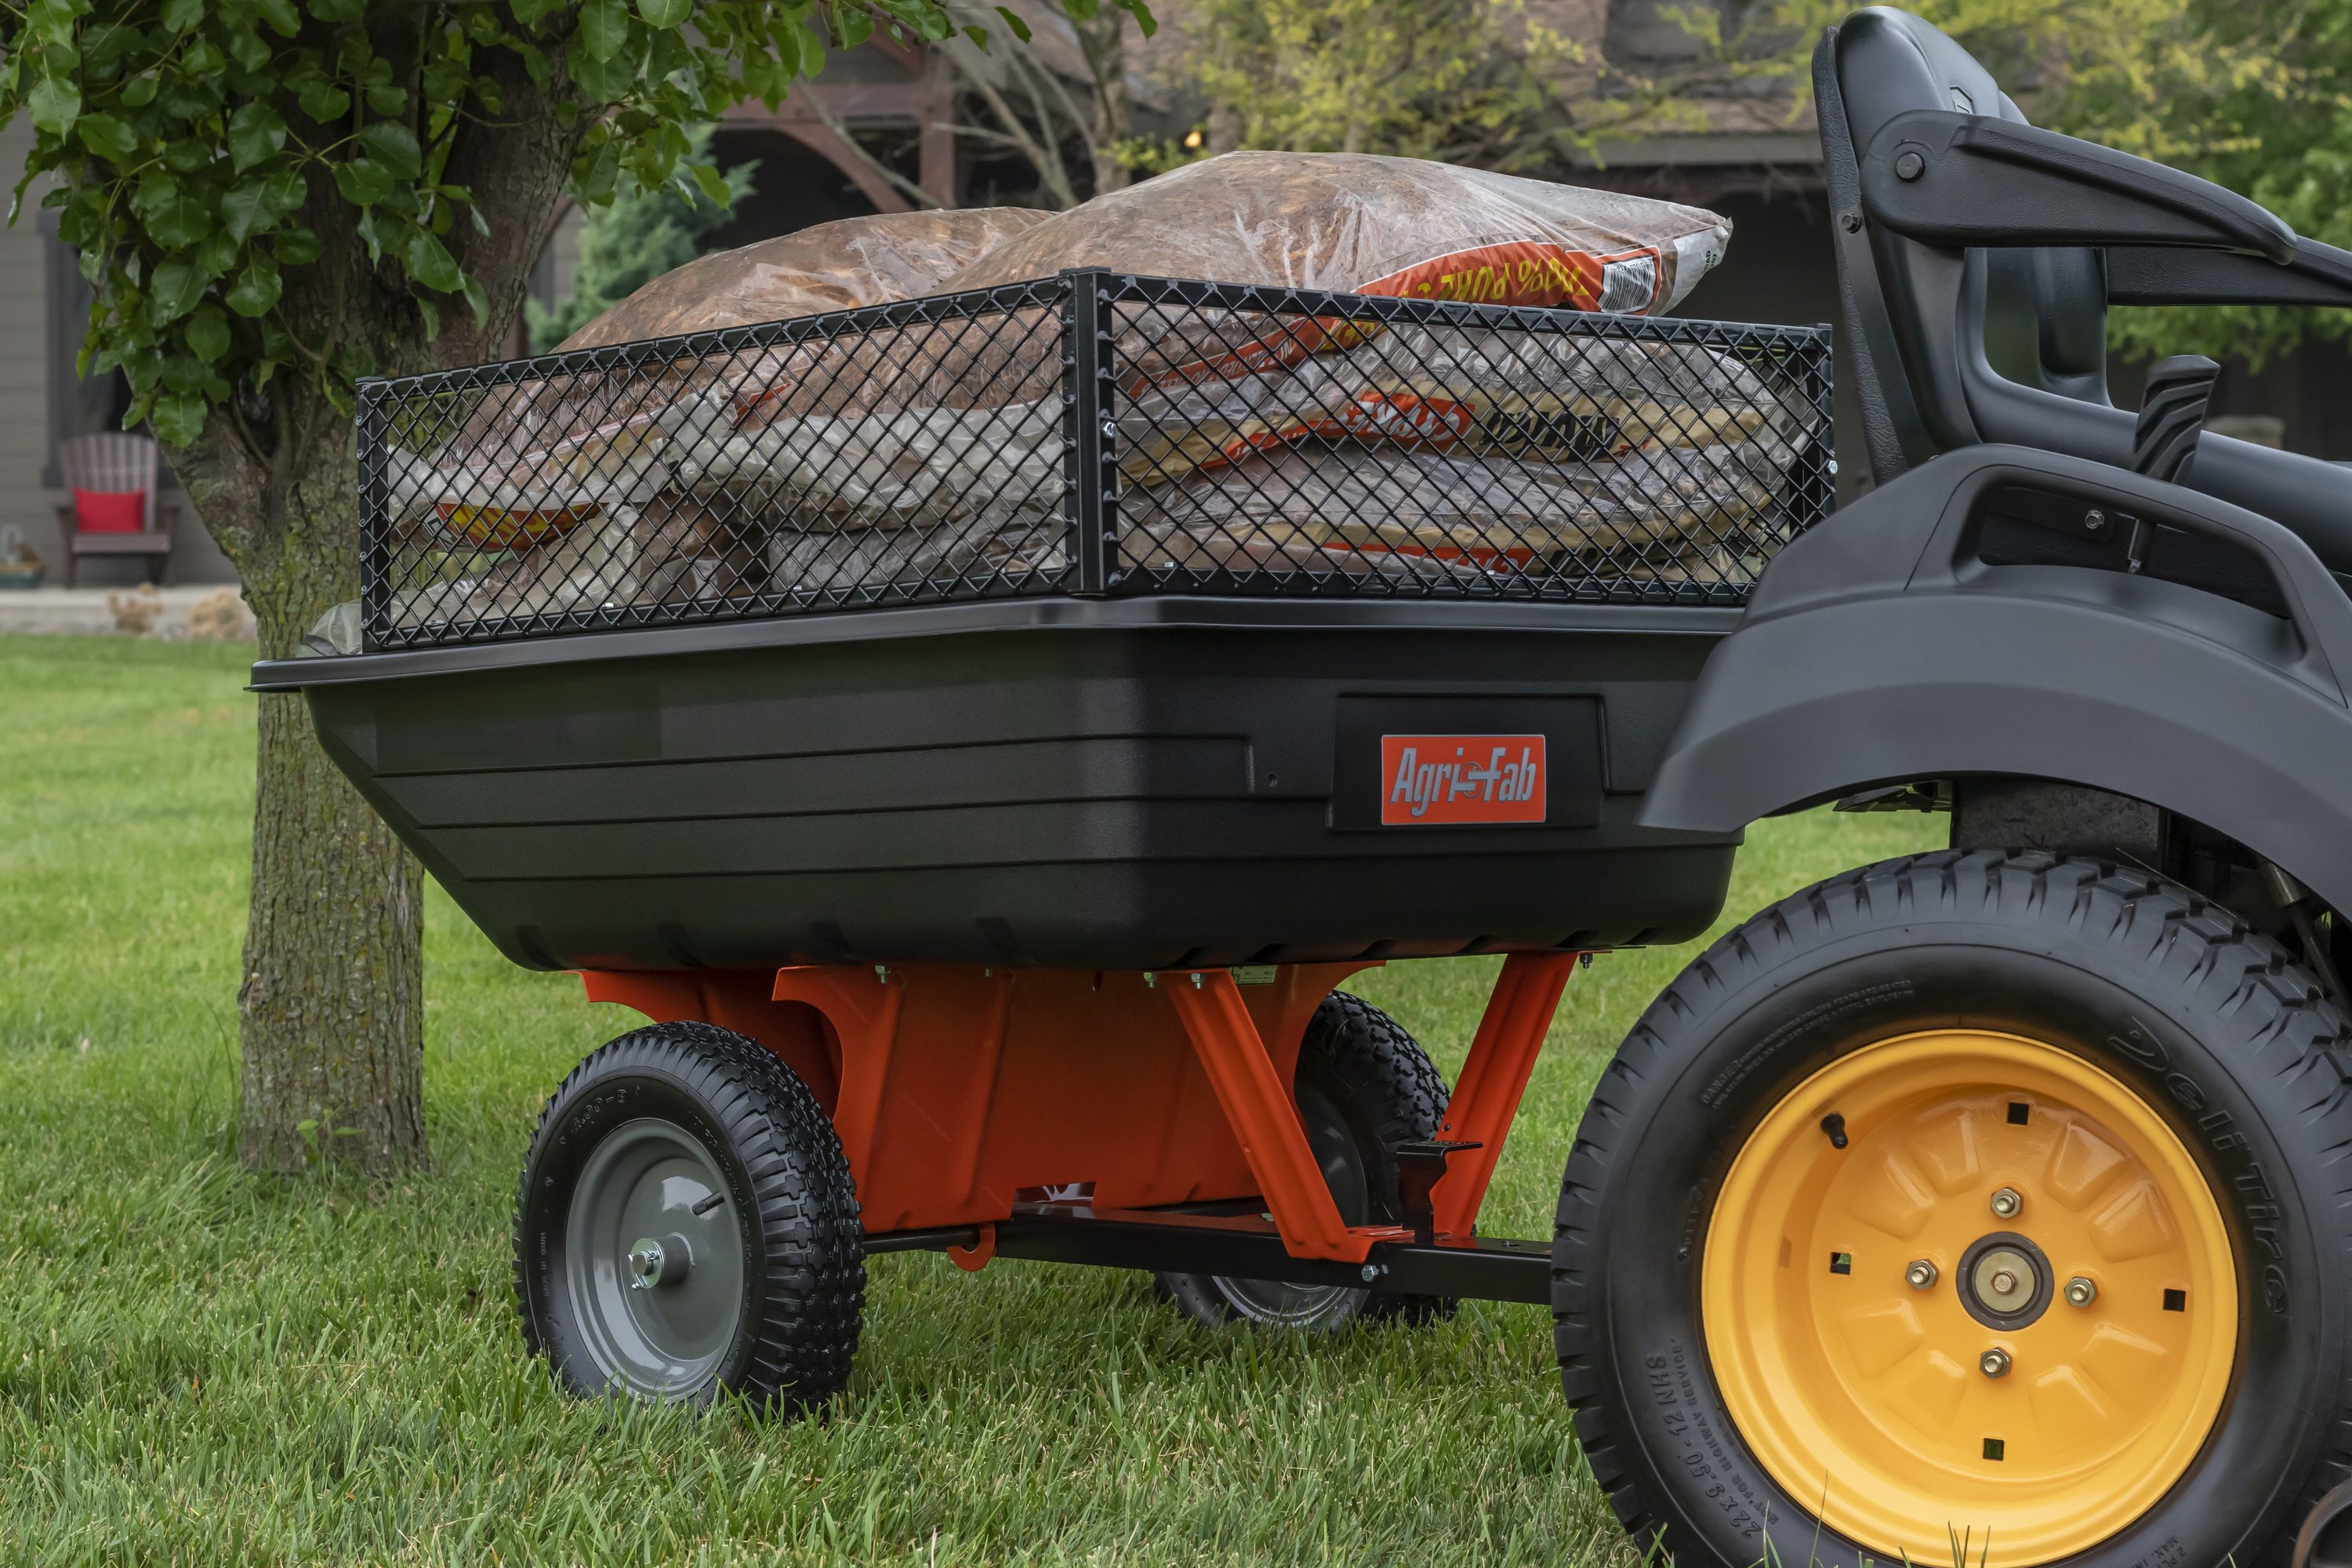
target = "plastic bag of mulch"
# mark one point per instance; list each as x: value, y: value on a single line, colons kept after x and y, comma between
x: 1333, y: 508
x: 830, y: 267
x: 1355, y: 224
x: 1553, y: 396
x: 520, y: 466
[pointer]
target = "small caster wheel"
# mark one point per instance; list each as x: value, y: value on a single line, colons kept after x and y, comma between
x: 686, y: 1226
x: 1364, y: 1086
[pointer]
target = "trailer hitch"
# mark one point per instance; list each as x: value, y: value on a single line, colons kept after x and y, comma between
x: 1420, y: 1165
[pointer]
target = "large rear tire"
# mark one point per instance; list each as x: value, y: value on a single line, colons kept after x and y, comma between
x: 1971, y: 1197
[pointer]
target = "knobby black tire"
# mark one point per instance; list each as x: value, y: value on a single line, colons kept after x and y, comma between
x: 803, y: 1249
x: 1366, y: 1065
x: 2225, y: 1022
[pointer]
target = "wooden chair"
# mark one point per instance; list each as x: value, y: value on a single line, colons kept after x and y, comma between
x: 116, y: 461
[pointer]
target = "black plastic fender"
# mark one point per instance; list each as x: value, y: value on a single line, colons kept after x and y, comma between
x: 1889, y: 644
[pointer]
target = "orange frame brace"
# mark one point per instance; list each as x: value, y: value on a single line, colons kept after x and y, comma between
x: 1494, y: 1078
x: 1264, y: 1117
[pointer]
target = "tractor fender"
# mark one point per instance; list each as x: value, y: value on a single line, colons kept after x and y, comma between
x: 1910, y: 636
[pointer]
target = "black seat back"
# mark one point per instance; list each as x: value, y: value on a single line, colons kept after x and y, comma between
x: 1953, y: 348
x: 2043, y: 313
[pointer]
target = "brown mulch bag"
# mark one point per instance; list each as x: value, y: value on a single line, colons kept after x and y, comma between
x: 1380, y: 508
x: 1551, y: 396
x: 1344, y: 222
x: 1363, y: 225
x: 528, y: 464
x: 832, y: 266
x: 940, y: 438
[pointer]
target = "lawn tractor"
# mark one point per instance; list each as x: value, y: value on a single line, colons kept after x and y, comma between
x: 985, y: 841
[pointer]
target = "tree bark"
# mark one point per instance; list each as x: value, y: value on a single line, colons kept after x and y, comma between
x: 331, y: 1008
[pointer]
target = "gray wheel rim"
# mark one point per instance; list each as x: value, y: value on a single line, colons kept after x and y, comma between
x: 1311, y: 1306
x: 651, y: 1180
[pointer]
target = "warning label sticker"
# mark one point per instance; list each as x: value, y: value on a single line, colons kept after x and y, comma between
x: 1433, y: 780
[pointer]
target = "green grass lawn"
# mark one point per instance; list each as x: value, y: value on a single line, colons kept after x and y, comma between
x: 200, y: 1367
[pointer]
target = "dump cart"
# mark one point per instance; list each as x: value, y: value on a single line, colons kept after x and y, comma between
x: 983, y: 774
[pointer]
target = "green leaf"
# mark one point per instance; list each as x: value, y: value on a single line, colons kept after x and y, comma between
x: 283, y: 19
x: 208, y: 334
x: 1020, y: 28
x: 256, y: 132
x: 255, y: 205
x: 106, y: 136
x: 665, y: 13
x: 325, y: 101
x: 248, y: 48
x: 178, y: 418
x: 478, y: 297
x: 393, y: 145
x: 604, y: 27
x: 712, y: 184
x: 139, y: 91
x: 1145, y: 22
x: 338, y: 10
x: 363, y: 182
x: 55, y: 103
x: 432, y: 314
x: 186, y: 156
x: 257, y: 288
x: 605, y: 82
x: 184, y: 16
x: 174, y: 290
x: 216, y: 255
x: 430, y: 263
x: 296, y: 248
x: 174, y: 219
x: 52, y: 22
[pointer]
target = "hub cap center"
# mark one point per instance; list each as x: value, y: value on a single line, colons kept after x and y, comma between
x: 652, y: 1262
x: 2005, y: 1281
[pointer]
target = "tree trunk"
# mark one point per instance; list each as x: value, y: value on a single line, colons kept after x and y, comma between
x: 330, y: 1009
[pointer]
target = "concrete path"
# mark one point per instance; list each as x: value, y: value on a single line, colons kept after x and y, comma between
x: 86, y: 610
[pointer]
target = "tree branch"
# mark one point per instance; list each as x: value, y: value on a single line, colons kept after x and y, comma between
x: 888, y: 176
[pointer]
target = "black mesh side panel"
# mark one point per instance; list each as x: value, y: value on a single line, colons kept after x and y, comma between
x: 1093, y: 432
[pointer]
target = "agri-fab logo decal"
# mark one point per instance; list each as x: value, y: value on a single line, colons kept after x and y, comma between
x: 1434, y: 779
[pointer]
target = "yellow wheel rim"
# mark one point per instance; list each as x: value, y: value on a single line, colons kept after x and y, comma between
x: 1864, y: 1393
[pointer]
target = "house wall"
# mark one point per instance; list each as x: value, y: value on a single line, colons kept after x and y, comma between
x: 23, y: 361
x: 40, y: 330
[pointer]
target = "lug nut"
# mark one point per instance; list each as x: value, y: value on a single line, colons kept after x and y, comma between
x: 1921, y: 1275
x: 1994, y: 1362
x: 2007, y: 1202
x: 2081, y: 1292
x: 2004, y: 1282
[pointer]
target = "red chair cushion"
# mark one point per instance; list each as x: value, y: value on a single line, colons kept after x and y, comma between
x: 111, y: 512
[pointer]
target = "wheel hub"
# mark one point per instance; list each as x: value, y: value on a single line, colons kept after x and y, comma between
x: 2005, y: 1281
x: 655, y: 1268
x: 1914, y: 1374
x: 652, y: 1264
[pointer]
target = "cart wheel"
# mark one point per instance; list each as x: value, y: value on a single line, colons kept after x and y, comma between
x: 1970, y: 1199
x: 687, y: 1224
x: 1363, y: 1086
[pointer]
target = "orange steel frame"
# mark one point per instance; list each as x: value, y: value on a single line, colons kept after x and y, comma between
x: 958, y: 1091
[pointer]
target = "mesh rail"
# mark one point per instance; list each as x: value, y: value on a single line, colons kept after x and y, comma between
x: 1093, y: 434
